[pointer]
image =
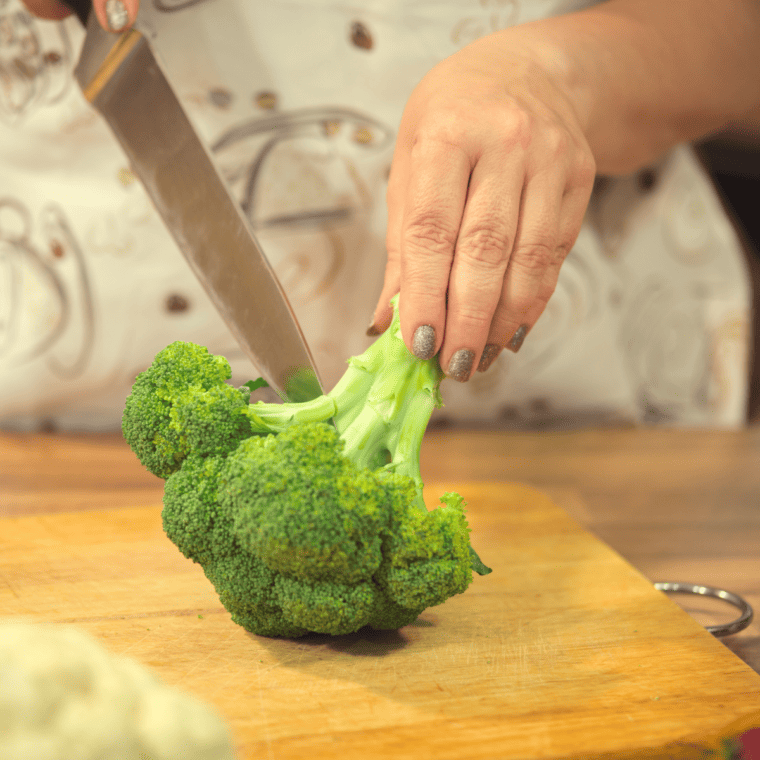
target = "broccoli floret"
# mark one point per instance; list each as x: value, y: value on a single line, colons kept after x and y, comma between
x: 306, y: 517
x: 182, y: 403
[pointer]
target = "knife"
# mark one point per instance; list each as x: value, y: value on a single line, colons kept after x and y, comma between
x: 122, y: 78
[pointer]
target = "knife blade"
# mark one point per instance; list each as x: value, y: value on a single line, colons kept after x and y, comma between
x: 122, y: 78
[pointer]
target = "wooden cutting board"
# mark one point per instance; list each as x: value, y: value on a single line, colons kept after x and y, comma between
x: 564, y: 650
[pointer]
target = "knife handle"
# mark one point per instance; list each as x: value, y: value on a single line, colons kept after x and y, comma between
x: 81, y: 7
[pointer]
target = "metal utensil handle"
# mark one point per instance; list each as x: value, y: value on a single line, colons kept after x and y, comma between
x: 718, y: 593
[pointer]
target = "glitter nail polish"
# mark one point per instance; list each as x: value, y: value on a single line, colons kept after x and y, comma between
x: 490, y: 352
x: 117, y: 15
x: 460, y: 365
x: 518, y: 338
x: 423, y: 342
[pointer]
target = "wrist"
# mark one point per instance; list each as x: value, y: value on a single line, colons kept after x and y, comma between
x: 531, y: 63
x: 545, y: 57
x: 642, y: 76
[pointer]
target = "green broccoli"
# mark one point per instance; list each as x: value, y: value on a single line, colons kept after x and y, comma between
x: 306, y: 517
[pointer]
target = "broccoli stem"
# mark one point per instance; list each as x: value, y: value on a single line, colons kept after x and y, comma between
x: 274, y: 418
x: 384, y: 403
x: 365, y: 439
x: 406, y: 458
x: 380, y: 407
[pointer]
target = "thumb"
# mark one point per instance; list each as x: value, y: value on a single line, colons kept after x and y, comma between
x: 383, y: 314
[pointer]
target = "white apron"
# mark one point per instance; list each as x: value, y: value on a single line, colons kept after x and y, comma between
x: 300, y: 101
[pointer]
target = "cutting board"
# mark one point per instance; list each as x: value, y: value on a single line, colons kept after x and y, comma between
x: 565, y: 650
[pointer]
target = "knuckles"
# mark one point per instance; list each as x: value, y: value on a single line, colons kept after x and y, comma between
x: 546, y: 290
x: 430, y: 233
x: 557, y: 142
x: 516, y: 127
x: 534, y: 257
x: 584, y: 169
x: 472, y: 319
x: 561, y: 250
x: 486, y: 244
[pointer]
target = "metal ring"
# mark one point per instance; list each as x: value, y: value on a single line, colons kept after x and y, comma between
x: 718, y: 593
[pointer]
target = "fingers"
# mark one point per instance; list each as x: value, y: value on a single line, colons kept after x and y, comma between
x: 397, y: 180
x: 481, y: 257
x: 113, y: 15
x: 538, y: 246
x: 116, y: 15
x: 436, y: 188
x: 482, y: 211
x: 48, y: 9
x: 477, y: 259
x: 384, y: 311
x: 527, y: 289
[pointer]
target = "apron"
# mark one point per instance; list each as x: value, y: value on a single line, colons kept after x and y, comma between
x: 300, y: 101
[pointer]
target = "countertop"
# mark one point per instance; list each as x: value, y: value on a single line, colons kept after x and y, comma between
x: 564, y: 651
x: 680, y: 505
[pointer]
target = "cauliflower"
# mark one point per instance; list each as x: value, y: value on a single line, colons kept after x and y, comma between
x: 64, y: 697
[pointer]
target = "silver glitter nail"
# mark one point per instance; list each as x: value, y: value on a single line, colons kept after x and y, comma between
x: 117, y: 15
x: 461, y: 365
x: 490, y: 352
x: 518, y: 338
x: 423, y: 342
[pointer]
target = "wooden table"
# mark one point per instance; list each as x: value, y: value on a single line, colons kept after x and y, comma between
x: 678, y: 505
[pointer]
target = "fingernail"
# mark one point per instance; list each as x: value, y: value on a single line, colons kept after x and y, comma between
x: 461, y: 364
x: 116, y: 15
x: 423, y: 342
x: 373, y: 329
x: 490, y: 352
x: 518, y: 338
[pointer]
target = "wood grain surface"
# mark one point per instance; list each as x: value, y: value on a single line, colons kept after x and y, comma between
x: 680, y: 505
x: 565, y: 650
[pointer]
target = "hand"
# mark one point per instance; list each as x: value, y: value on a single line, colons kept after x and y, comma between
x: 47, y: 9
x: 489, y: 184
x: 113, y: 15
x: 116, y: 15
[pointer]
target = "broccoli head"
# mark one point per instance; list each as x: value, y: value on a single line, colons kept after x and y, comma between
x: 306, y: 517
x: 182, y: 404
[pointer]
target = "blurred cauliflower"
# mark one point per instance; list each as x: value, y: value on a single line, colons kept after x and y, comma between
x: 64, y: 697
